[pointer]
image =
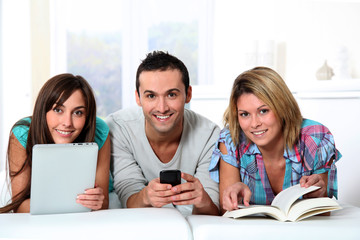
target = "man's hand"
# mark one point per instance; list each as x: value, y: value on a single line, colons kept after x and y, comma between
x: 190, y: 193
x: 193, y: 193
x: 157, y: 194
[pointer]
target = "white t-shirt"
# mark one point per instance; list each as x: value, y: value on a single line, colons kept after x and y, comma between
x: 134, y: 163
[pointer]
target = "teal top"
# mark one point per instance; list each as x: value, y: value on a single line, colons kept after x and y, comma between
x: 21, y: 133
x: 102, y: 131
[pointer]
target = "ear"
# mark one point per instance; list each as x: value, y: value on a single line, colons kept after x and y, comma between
x: 189, y: 94
x: 137, y: 98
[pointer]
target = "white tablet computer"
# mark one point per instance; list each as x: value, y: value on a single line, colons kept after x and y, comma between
x: 59, y: 173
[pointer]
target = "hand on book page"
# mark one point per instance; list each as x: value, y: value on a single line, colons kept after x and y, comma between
x: 287, y: 206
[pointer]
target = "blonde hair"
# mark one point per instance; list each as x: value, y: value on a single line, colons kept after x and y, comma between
x: 269, y: 87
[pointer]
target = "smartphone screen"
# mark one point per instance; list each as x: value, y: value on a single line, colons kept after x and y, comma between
x: 172, y: 177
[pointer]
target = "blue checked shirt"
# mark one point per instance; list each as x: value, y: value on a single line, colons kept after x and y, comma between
x: 311, y: 155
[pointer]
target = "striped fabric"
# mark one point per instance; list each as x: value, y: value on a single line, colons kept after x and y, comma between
x: 311, y: 155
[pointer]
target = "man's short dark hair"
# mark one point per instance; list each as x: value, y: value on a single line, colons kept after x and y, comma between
x: 162, y: 61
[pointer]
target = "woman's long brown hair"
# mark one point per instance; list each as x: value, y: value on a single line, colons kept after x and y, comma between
x: 54, y: 92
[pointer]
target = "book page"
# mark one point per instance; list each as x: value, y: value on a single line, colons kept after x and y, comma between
x: 256, y: 209
x: 304, y: 208
x: 287, y: 197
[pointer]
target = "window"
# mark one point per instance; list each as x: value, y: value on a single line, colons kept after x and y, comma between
x: 105, y: 51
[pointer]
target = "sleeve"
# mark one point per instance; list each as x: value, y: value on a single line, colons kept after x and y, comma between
x: 322, y: 156
x: 328, y: 155
x: 21, y: 131
x: 127, y: 175
x: 101, y: 132
x: 230, y: 157
x: 202, y: 170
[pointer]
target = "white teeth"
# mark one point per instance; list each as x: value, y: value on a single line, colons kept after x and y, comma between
x: 258, y: 133
x: 62, y: 132
x: 162, y: 117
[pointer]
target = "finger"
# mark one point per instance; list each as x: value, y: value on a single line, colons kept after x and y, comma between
x: 247, y: 197
x: 160, y: 201
x: 91, y: 197
x: 166, y: 193
x: 188, y: 186
x: 184, y: 202
x: 184, y: 196
x: 227, y: 202
x: 312, y: 180
x: 94, y: 205
x: 303, y: 181
x: 97, y: 190
x: 187, y: 177
x: 234, y: 200
x: 155, y: 185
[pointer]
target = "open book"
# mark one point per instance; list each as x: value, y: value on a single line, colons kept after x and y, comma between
x: 287, y: 206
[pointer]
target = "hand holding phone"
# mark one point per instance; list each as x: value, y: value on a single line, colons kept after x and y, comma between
x: 172, y: 177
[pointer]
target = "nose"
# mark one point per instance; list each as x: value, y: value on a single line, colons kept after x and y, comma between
x: 67, y: 120
x: 163, y: 105
x: 255, y: 121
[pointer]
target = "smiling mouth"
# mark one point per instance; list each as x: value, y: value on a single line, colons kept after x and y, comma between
x: 162, y: 117
x: 259, y: 133
x: 64, y: 132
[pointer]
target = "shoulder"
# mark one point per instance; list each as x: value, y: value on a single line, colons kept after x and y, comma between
x: 101, y: 132
x: 126, y: 124
x: 21, y: 130
x: 199, y: 122
x: 101, y: 124
x: 316, y: 145
x: 314, y: 138
x: 244, y: 146
x: 124, y: 116
x: 313, y: 130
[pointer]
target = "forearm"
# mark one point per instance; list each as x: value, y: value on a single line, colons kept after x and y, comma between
x: 105, y: 202
x: 138, y: 200
x: 207, y: 209
x: 24, y: 207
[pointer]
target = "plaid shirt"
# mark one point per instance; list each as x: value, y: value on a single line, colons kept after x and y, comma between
x: 311, y: 155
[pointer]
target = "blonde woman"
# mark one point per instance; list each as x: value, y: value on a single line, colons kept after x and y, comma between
x: 266, y: 145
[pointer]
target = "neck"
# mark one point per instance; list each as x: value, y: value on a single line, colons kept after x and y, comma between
x: 273, y: 152
x: 163, y: 138
x: 164, y: 145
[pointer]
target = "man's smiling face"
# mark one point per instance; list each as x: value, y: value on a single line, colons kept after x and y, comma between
x: 162, y: 98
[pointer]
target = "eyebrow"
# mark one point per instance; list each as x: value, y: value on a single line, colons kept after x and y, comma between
x: 62, y: 105
x: 79, y: 107
x: 257, y: 108
x: 170, y: 90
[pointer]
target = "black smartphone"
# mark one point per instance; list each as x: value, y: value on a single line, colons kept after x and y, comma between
x: 172, y: 177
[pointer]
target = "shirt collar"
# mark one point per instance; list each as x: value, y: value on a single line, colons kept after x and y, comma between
x: 252, y: 149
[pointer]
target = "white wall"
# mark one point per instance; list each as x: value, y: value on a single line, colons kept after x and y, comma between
x: 299, y: 34
x: 15, y: 75
x: 338, y: 110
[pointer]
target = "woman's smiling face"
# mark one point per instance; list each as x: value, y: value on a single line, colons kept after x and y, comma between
x: 65, y: 122
x: 258, y: 121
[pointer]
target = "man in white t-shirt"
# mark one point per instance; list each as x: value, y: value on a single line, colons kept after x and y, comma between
x: 162, y: 134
